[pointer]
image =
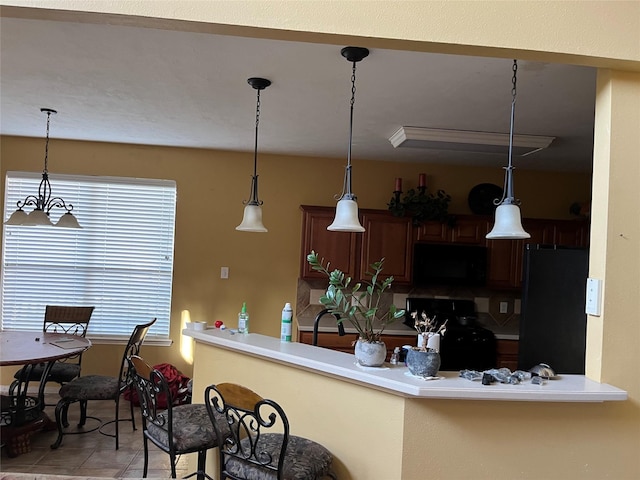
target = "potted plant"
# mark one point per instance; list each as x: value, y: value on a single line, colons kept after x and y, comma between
x: 424, y: 360
x: 360, y: 307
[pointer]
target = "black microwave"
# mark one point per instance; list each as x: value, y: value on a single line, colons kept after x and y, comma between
x: 447, y: 264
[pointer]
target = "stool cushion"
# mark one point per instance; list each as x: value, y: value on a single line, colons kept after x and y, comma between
x: 192, y: 429
x: 304, y: 460
x: 91, y: 387
x: 60, y: 372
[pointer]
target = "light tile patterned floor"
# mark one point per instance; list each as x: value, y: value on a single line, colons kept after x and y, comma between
x: 93, y: 454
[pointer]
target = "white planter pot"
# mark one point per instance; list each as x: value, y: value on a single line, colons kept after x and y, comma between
x: 370, y: 354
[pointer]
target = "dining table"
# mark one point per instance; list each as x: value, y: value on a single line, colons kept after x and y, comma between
x: 23, y: 413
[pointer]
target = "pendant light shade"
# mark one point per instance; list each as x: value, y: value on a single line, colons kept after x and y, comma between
x: 346, y: 219
x: 43, y: 202
x: 252, y: 218
x: 508, y: 224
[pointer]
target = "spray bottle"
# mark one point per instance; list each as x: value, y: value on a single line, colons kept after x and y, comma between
x: 243, y: 319
x: 285, y: 326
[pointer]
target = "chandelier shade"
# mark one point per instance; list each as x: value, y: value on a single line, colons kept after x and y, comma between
x: 252, y: 217
x: 508, y: 224
x: 346, y: 219
x: 43, y: 202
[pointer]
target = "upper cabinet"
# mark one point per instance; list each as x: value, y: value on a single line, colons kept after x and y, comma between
x: 385, y: 237
x: 390, y: 238
x: 506, y: 256
x: 467, y: 229
x: 339, y: 248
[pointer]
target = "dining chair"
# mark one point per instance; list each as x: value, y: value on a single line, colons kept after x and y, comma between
x: 100, y: 387
x: 57, y: 319
x: 176, y: 430
x: 254, y: 439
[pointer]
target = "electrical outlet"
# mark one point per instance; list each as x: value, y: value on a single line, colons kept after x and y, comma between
x: 594, y: 291
x: 504, y: 307
x: 224, y: 272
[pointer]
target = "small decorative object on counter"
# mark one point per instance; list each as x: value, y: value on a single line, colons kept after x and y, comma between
x: 285, y: 326
x: 243, y: 319
x: 394, y: 356
x: 424, y: 360
x: 218, y: 323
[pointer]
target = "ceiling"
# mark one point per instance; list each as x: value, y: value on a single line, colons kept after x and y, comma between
x: 114, y: 83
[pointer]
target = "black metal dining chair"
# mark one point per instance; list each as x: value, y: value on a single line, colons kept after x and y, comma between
x: 254, y: 439
x: 57, y: 319
x: 176, y: 430
x: 100, y: 387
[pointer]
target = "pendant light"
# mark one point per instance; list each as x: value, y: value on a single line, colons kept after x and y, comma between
x: 346, y: 219
x: 43, y: 202
x: 508, y: 225
x: 252, y: 218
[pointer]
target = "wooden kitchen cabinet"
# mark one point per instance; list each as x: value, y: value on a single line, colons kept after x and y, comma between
x: 385, y: 236
x: 467, y: 230
x: 505, y: 263
x: 345, y: 344
x: 390, y: 238
x: 339, y: 248
x: 507, y: 354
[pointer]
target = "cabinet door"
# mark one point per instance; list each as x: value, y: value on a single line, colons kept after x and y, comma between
x: 507, y: 354
x: 469, y: 230
x: 339, y: 248
x: 390, y: 238
x: 432, y: 231
x: 501, y: 272
x: 572, y: 233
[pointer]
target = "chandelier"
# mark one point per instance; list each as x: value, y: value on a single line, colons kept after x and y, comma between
x: 43, y: 202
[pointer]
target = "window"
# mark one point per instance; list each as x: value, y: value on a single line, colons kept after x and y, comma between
x: 121, y: 261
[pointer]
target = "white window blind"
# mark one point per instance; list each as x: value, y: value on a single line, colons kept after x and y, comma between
x: 121, y: 261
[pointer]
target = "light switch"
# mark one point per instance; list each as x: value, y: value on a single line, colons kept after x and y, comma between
x: 594, y: 292
x: 224, y: 272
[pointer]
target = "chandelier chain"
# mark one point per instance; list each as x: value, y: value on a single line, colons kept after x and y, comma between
x: 46, y: 145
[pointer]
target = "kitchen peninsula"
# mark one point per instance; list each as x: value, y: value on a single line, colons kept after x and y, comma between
x: 378, y: 422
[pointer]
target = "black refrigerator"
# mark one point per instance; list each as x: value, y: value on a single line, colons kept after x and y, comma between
x: 553, y: 322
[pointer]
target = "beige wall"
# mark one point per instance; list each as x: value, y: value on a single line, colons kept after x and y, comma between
x: 600, y: 33
x: 263, y: 267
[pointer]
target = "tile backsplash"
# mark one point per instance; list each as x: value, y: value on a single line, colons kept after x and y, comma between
x: 497, y: 311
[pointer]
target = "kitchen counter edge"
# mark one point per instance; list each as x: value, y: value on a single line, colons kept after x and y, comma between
x: 397, y: 380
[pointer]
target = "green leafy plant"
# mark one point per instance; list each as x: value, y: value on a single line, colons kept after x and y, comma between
x: 423, y: 206
x: 355, y: 304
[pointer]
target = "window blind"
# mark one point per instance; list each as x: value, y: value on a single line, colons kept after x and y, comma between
x: 121, y: 261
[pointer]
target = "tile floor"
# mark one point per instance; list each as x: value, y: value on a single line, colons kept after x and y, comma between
x: 93, y: 454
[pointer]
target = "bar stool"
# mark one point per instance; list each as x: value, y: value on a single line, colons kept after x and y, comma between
x: 254, y: 439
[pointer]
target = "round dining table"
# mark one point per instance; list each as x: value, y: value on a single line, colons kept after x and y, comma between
x: 22, y: 414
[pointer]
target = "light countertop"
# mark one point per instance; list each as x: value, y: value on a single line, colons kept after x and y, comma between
x: 397, y: 380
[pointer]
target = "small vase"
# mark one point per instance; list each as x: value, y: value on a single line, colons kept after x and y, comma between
x: 370, y: 354
x: 423, y: 364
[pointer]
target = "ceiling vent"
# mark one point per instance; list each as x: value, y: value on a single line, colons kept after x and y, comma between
x: 467, y: 141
